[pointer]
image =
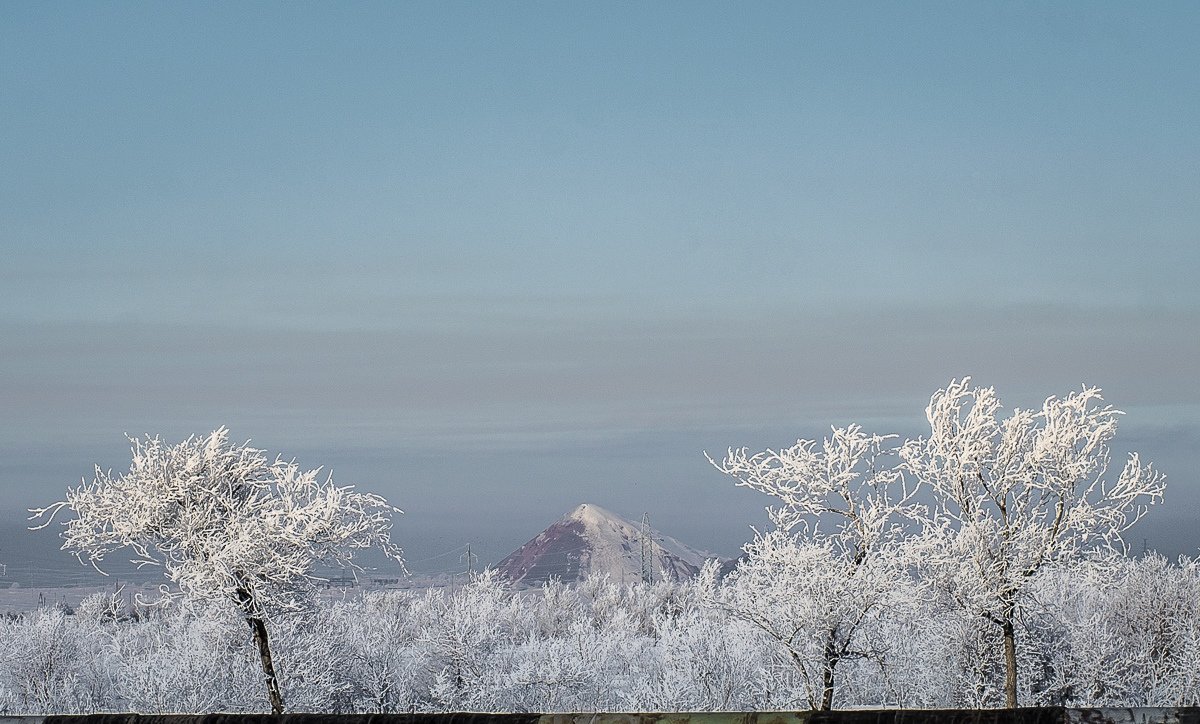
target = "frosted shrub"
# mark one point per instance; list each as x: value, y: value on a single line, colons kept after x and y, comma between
x: 375, y: 641
x: 1125, y: 633
x: 193, y: 659
x: 465, y: 630
x: 1111, y: 631
x: 52, y: 663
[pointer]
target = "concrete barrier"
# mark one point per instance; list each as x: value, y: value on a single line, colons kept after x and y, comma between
x: 1047, y: 715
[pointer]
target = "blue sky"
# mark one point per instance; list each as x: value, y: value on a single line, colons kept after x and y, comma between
x: 493, y: 260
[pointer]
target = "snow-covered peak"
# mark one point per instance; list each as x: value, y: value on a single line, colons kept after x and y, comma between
x: 593, y: 516
x: 589, y: 540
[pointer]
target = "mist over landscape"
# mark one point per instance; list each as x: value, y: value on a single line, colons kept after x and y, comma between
x: 493, y: 262
x: 438, y: 358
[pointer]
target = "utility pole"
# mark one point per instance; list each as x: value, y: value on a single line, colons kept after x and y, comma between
x: 471, y: 559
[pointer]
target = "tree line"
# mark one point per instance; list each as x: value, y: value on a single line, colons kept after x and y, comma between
x: 978, y: 565
x: 1105, y: 632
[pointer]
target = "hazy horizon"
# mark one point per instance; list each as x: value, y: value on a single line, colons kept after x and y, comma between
x: 492, y: 261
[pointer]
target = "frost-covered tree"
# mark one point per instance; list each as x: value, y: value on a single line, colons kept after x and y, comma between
x: 1104, y: 631
x: 225, y: 523
x: 184, y: 658
x: 466, y: 629
x: 377, y: 648
x: 1017, y: 493
x: 52, y: 663
x: 840, y: 521
x: 1122, y: 632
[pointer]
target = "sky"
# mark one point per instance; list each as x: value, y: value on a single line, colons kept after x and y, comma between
x: 492, y: 260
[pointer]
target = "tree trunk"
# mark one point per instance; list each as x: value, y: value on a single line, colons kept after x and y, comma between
x: 264, y: 654
x: 827, y: 668
x: 1010, y: 661
x: 259, y: 628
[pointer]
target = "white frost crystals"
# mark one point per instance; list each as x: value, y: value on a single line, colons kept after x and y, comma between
x: 1007, y: 497
x: 975, y: 566
x: 219, y: 517
x: 225, y: 523
x: 812, y: 591
x: 1019, y: 493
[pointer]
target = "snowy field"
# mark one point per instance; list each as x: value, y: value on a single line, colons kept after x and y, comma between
x: 16, y: 598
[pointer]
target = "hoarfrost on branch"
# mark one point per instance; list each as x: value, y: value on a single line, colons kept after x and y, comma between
x: 225, y: 523
x: 1017, y: 493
